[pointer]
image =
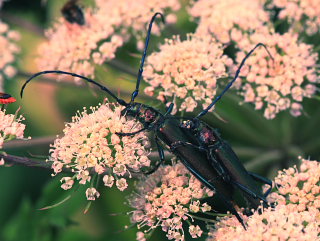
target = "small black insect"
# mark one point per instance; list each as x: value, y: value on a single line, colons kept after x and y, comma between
x: 196, y: 144
x: 73, y: 13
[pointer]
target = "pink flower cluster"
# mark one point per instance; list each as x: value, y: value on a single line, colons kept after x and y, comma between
x: 224, y: 18
x: 186, y: 72
x: 10, y: 127
x: 296, y: 216
x: 282, y: 83
x: 299, y: 190
x: 75, y: 48
x: 90, y: 146
x: 8, y: 51
x: 165, y: 199
x: 279, y: 224
x: 303, y: 15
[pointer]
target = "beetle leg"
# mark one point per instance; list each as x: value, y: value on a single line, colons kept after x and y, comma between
x: 209, y: 185
x: 233, y: 210
x: 131, y: 133
x: 161, y: 155
x: 262, y: 179
x: 182, y: 143
x: 218, y: 167
x: 248, y: 191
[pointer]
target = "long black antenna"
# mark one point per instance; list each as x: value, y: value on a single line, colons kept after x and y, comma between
x: 120, y: 101
x: 205, y: 111
x: 136, y: 91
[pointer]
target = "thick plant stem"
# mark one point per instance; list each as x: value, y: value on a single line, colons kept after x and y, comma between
x: 24, y: 161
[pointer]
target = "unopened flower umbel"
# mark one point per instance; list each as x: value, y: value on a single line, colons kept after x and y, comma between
x: 281, y: 83
x: 8, y: 52
x: 77, y: 48
x: 91, y: 146
x: 10, y: 127
x: 166, y: 199
x: 296, y: 215
x: 186, y: 72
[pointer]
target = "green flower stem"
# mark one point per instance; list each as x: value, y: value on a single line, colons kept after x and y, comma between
x: 46, y: 140
x: 207, y: 220
x: 24, y: 161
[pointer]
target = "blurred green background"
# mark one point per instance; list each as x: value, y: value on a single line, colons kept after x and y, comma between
x: 264, y: 146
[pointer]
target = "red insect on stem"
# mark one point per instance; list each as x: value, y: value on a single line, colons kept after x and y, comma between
x: 6, y: 99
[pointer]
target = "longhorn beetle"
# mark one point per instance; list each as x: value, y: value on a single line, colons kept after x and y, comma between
x: 207, y: 156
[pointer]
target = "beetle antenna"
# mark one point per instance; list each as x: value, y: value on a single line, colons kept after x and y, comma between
x: 120, y: 101
x: 136, y: 91
x: 205, y: 111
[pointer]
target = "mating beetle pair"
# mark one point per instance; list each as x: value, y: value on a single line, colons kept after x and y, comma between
x: 199, y: 146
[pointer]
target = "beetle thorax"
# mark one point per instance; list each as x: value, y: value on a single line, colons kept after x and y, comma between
x: 148, y: 114
x: 207, y: 136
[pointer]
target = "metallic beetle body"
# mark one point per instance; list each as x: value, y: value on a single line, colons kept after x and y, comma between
x: 223, y: 158
x: 194, y: 160
x: 201, y: 162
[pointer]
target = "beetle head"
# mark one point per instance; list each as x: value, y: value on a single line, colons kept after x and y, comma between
x: 143, y: 113
x: 190, y: 124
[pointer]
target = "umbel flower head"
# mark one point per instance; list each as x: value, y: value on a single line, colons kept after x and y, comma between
x: 296, y: 215
x: 186, y: 72
x: 10, y: 127
x: 282, y: 83
x: 225, y: 18
x: 279, y: 223
x: 90, y: 146
x: 77, y: 48
x: 299, y: 189
x: 8, y: 52
x: 303, y: 15
x: 166, y: 199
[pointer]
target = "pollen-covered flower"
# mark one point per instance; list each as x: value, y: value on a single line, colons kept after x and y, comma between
x: 166, y: 199
x: 8, y: 52
x: 186, y: 72
x: 77, y: 48
x: 10, y: 127
x: 296, y: 215
x: 282, y: 83
x: 90, y: 146
x: 303, y: 15
x: 227, y: 19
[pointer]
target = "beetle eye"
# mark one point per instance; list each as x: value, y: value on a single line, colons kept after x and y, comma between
x: 187, y: 124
